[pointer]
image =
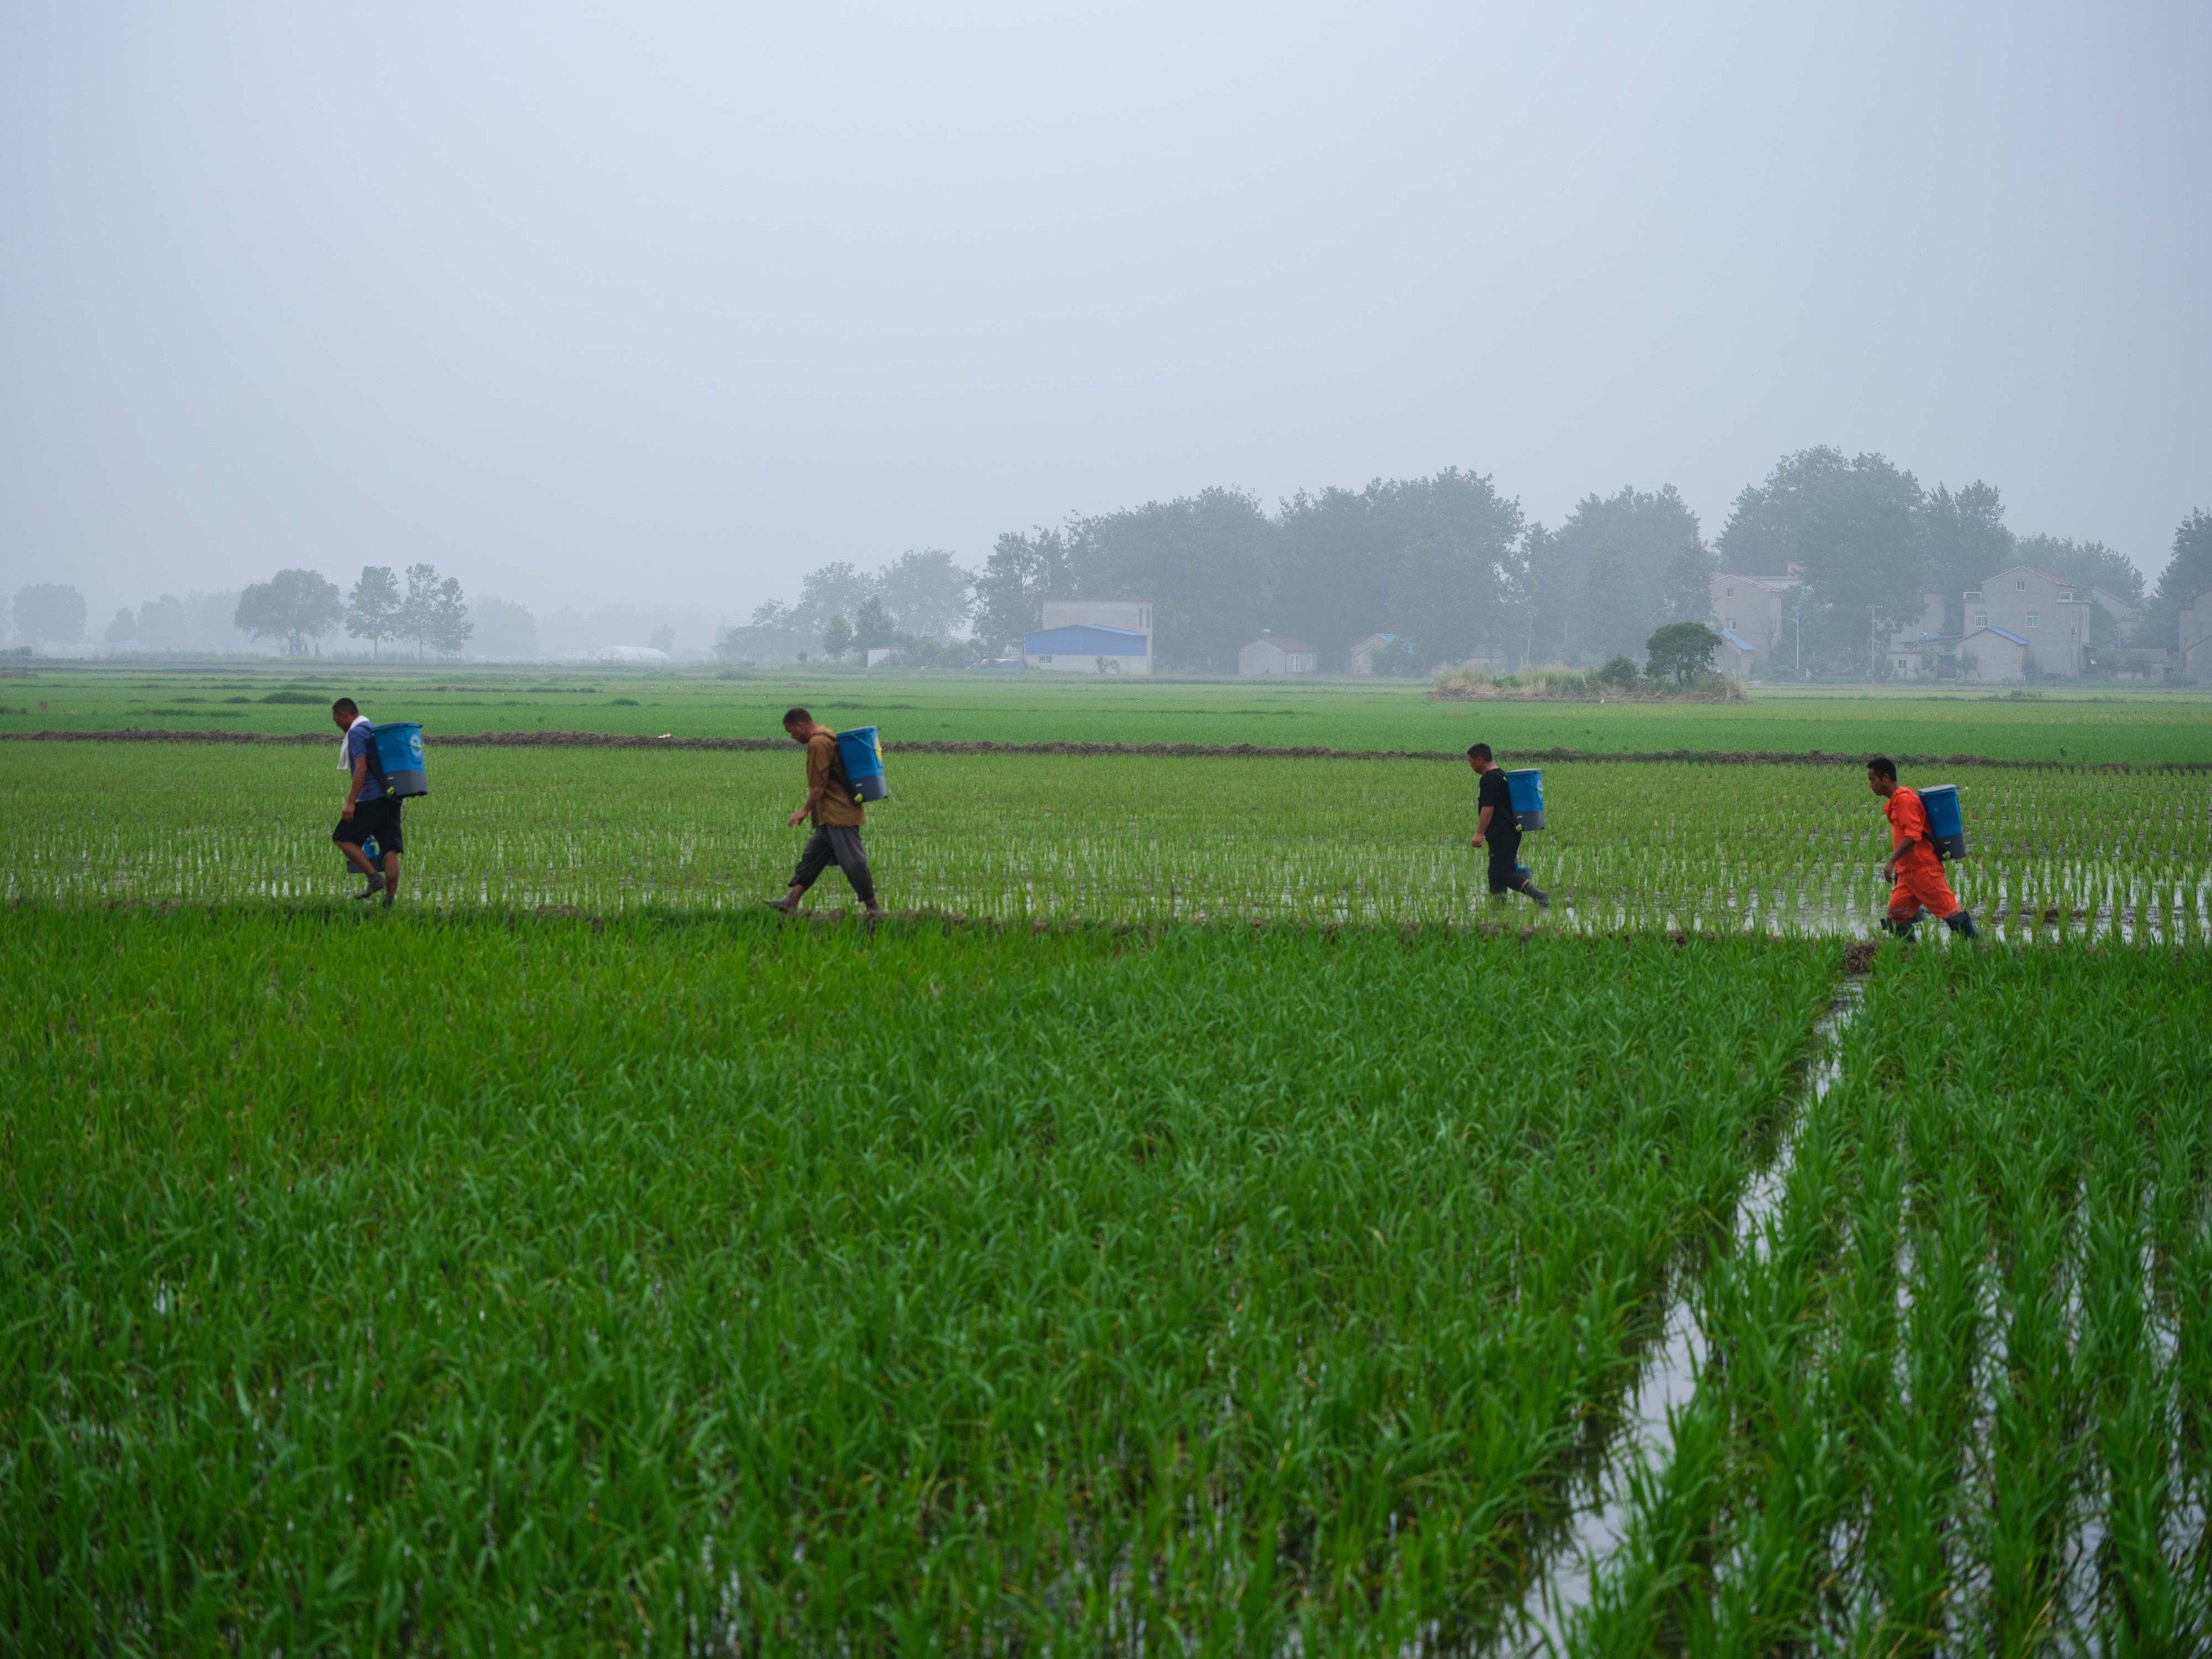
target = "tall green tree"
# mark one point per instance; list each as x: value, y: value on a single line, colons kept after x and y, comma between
x: 1688, y: 583
x: 505, y: 629
x: 1680, y: 652
x: 372, y: 611
x: 434, y: 614
x: 295, y: 607
x: 1853, y: 522
x: 1967, y: 543
x: 1205, y: 562
x: 1022, y: 572
x: 873, y: 627
x: 2188, y: 573
x: 49, y: 612
x: 164, y: 624
x: 1438, y: 559
x: 1615, y: 613
x: 1448, y: 591
x: 835, y: 589
x: 1642, y: 530
x: 1551, y: 596
x: 927, y: 594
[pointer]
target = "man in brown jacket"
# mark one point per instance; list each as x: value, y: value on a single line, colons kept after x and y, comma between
x: 837, y: 818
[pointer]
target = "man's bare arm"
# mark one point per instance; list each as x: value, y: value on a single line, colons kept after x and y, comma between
x: 807, y: 807
x: 360, y: 782
x: 1481, y: 825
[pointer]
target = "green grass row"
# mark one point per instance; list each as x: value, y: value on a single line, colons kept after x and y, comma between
x: 1959, y: 1395
x: 1708, y: 847
x: 495, y: 1284
x: 2138, y: 727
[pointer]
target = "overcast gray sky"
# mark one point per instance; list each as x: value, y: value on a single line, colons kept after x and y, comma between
x: 671, y: 301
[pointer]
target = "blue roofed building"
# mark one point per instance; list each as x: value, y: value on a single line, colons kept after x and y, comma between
x: 1088, y: 648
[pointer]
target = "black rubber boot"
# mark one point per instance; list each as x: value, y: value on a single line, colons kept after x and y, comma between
x: 1961, y: 922
x: 1902, y: 929
x: 1543, y: 899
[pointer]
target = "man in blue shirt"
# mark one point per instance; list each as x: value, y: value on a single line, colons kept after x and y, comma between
x: 370, y: 809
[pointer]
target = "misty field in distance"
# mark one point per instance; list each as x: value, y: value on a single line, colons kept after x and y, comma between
x: 2134, y: 727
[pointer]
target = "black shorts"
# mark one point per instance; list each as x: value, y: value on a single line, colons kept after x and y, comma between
x: 378, y: 818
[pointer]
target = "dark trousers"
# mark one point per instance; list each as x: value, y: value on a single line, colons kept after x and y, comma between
x: 838, y: 844
x: 1505, y: 876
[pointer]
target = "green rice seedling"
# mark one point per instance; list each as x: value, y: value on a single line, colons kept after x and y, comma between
x: 490, y: 1279
x: 1920, y: 1496
x: 1132, y: 839
x: 1980, y: 1439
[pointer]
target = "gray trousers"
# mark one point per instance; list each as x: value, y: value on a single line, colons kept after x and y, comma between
x: 839, y: 844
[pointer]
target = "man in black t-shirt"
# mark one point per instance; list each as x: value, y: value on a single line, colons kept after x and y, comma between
x: 1496, y: 828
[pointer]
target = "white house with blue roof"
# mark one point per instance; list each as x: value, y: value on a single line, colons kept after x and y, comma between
x: 1092, y: 636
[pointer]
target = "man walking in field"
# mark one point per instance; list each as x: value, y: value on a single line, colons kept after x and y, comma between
x: 371, y: 810
x: 837, y: 814
x: 1497, y: 829
x: 1913, y: 865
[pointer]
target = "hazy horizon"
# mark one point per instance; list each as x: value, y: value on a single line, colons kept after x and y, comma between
x: 671, y: 306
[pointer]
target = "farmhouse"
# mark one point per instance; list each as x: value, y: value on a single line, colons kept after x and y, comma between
x: 1085, y: 648
x: 1364, y: 652
x: 2124, y: 612
x: 1922, y: 650
x: 1092, y: 636
x: 1986, y: 656
x: 2050, y: 612
x: 1752, y: 608
x: 2196, y: 638
x: 1994, y: 656
x: 1278, y: 654
x: 1737, y: 655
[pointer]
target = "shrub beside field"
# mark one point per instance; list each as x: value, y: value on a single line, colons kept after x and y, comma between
x: 1617, y: 682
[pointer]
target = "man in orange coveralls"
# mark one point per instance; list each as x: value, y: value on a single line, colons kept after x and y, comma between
x: 1913, y: 865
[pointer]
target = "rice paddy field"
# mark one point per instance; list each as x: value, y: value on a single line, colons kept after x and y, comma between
x: 1198, y: 1223
x: 2123, y: 724
x: 1705, y: 848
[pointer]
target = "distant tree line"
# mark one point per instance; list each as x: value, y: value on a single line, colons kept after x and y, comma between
x: 1451, y: 566
x: 300, y: 607
x: 1445, y: 564
x: 1453, y: 570
x: 918, y: 605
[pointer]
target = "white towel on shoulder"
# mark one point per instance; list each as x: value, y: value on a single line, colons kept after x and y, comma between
x: 345, y: 765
